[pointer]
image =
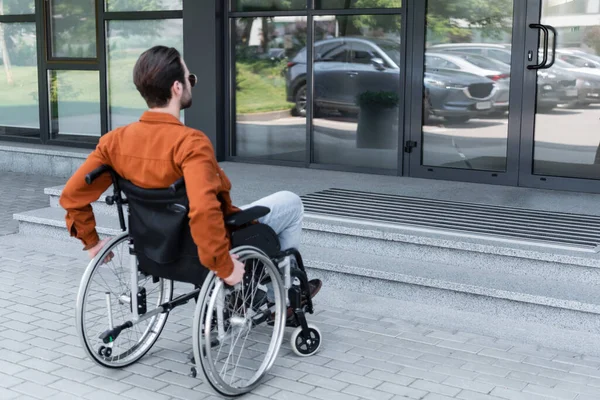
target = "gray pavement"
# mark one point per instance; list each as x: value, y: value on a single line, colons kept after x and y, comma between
x: 364, y: 356
x: 22, y: 192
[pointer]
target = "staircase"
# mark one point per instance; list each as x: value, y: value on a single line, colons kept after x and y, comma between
x: 526, y: 292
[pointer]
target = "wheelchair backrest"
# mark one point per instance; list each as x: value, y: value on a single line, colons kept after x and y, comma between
x: 159, y: 223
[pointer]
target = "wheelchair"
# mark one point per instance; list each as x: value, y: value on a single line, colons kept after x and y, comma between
x: 127, y: 290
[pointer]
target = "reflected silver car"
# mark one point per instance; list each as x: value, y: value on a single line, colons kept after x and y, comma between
x: 478, y: 65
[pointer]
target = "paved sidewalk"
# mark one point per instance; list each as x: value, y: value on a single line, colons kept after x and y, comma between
x: 363, y: 356
x: 22, y: 192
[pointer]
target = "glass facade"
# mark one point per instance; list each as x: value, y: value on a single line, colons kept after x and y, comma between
x: 81, y: 86
x: 152, y: 5
x: 73, y: 28
x: 356, y: 97
x: 126, y: 40
x: 74, y: 99
x: 466, y: 87
x: 264, y: 125
x: 19, y: 103
x: 435, y: 88
x: 348, y: 115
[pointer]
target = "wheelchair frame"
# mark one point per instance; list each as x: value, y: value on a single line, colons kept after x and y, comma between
x: 137, y: 299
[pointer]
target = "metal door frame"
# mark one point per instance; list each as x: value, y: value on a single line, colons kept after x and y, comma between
x: 413, y: 165
x: 526, y: 176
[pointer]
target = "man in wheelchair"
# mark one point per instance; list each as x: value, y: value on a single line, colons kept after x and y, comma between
x: 159, y: 149
x: 144, y: 159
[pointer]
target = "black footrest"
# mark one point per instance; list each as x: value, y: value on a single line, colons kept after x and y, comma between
x: 111, y: 335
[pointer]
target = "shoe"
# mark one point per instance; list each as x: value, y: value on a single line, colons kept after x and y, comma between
x: 314, y: 288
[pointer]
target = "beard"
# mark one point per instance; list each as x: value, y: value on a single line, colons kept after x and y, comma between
x: 186, y: 101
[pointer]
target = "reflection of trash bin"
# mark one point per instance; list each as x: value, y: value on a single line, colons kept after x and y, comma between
x: 376, y: 121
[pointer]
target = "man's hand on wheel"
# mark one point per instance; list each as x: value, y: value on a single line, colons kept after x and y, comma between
x: 238, y: 272
x: 96, y: 249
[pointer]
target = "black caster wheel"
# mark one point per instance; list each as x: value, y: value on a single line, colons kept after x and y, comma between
x: 306, y: 346
x: 104, y: 351
x: 193, y: 372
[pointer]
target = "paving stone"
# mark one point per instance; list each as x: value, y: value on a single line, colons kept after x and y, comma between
x: 347, y: 367
x: 7, y: 394
x: 34, y: 390
x: 435, y: 388
x: 178, y: 379
x: 182, y: 393
x: 502, y: 382
x: 514, y: 395
x: 71, y: 387
x: 33, y: 375
x: 357, y: 380
x: 381, y: 365
x: 367, y: 393
x: 325, y: 394
x: 143, y: 394
x: 7, y: 381
x: 288, y: 385
x: 392, y: 388
x: 316, y: 369
x: 531, y: 378
x: 470, y: 385
x: 550, y: 392
x: 143, y: 382
x: 469, y: 395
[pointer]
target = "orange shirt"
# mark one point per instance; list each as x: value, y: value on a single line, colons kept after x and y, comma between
x: 152, y: 154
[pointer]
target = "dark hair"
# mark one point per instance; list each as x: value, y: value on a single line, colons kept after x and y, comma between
x: 155, y: 72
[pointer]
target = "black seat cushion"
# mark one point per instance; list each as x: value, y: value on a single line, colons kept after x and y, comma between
x: 246, y: 216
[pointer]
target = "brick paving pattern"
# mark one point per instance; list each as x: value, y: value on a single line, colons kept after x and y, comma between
x: 22, y: 192
x: 363, y: 356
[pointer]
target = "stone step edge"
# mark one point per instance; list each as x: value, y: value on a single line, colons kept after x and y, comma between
x: 455, y: 287
x: 315, y: 223
x: 391, y: 276
x: 365, y: 229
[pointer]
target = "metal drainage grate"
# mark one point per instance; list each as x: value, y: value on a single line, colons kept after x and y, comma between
x: 580, y: 232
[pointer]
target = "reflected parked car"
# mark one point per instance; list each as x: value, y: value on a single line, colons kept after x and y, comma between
x: 587, y: 82
x: 578, y: 58
x: 478, y: 65
x: 555, y: 85
x: 345, y: 67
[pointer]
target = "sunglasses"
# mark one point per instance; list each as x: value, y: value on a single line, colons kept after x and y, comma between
x: 193, y: 80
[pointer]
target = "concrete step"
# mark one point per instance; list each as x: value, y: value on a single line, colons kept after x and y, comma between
x: 50, y: 222
x: 564, y: 296
x: 406, y: 241
x: 562, y: 304
x: 100, y: 206
x: 41, y: 159
x: 370, y: 306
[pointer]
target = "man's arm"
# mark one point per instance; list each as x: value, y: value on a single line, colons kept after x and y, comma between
x: 77, y: 197
x: 207, y: 223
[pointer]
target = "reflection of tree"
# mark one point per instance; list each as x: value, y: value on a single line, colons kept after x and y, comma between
x: 142, y: 5
x: 453, y: 20
x: 591, y: 37
x: 4, y: 50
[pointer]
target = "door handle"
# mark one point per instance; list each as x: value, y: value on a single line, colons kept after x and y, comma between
x: 545, y: 56
x: 352, y: 74
x: 554, y: 39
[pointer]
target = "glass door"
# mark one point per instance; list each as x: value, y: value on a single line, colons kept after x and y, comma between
x: 465, y: 117
x: 561, y: 115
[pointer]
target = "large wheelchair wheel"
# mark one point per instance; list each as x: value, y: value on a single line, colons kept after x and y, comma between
x: 104, y: 301
x: 237, y: 331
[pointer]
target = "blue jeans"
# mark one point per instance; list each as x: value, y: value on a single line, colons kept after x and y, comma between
x: 285, y: 219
